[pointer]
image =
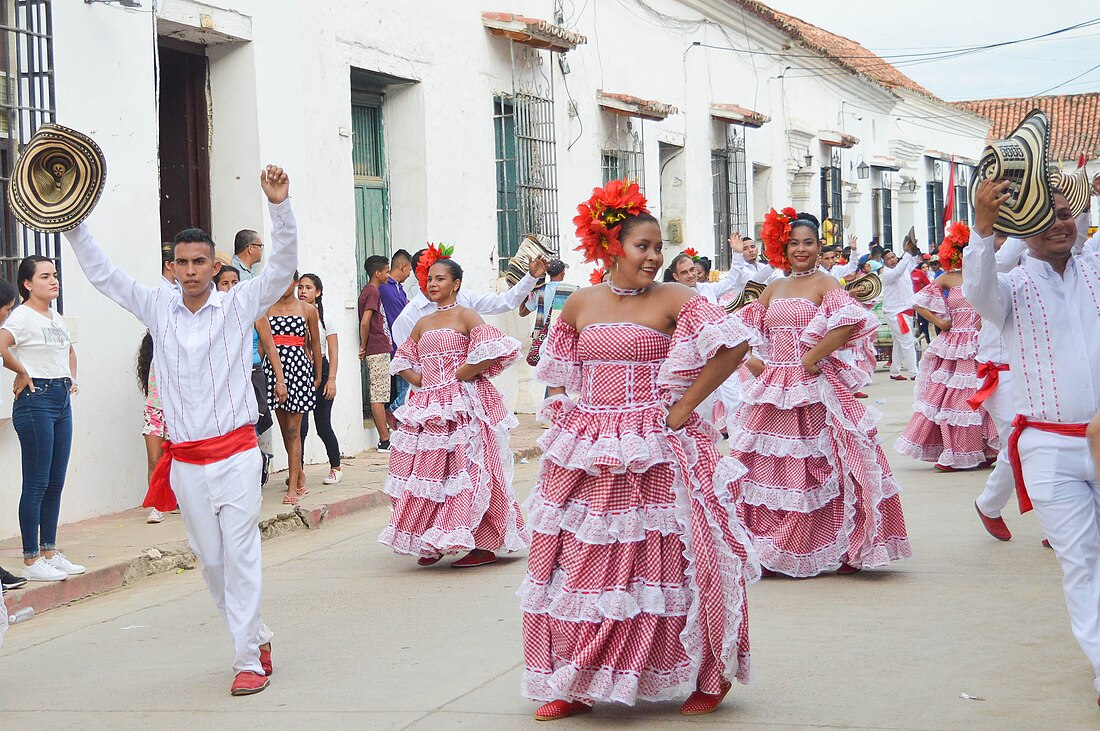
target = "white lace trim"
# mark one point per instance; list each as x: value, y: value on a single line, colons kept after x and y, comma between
x: 596, y: 528
x: 940, y: 416
x: 400, y: 363
x: 504, y: 348
x: 956, y: 381
x: 942, y: 455
x: 570, y: 682
x: 952, y: 348
x: 428, y: 489
x: 629, y: 452
x: 433, y: 542
x: 558, y: 373
x: 695, y: 341
x: 616, y: 603
x: 780, y: 497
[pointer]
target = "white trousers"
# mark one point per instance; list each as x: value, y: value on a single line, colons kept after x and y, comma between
x: 1061, y: 482
x: 1001, y: 484
x: 220, y: 504
x: 730, y: 394
x: 904, y: 351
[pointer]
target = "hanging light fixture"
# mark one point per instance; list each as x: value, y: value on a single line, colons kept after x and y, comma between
x: 863, y: 170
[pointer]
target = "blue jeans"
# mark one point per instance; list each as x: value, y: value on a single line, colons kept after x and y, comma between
x: 44, y: 422
x: 401, y: 392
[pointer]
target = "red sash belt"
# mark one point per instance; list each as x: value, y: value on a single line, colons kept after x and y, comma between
x: 200, y: 451
x: 1020, y: 423
x: 903, y: 326
x: 991, y: 373
x: 289, y: 340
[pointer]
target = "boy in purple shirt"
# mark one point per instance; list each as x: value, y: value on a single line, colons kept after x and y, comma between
x: 375, y: 346
x: 394, y: 300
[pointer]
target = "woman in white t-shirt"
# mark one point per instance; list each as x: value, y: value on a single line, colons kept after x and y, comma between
x: 35, y: 345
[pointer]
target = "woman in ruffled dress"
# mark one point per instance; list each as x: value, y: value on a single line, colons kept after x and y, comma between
x: 944, y: 428
x: 450, y: 466
x: 819, y: 493
x: 635, y: 586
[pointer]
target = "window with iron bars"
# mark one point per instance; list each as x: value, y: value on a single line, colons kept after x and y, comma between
x: 934, y: 198
x: 26, y: 101
x: 832, y: 202
x: 729, y: 176
x: 526, y: 171
x: 962, y: 193
x: 623, y: 156
x: 882, y: 200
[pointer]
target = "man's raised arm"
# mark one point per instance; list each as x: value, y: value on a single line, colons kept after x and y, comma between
x: 260, y: 293
x: 108, y: 278
x: 497, y: 304
x: 981, y: 285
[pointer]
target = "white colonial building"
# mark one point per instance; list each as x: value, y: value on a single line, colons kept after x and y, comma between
x: 437, y: 120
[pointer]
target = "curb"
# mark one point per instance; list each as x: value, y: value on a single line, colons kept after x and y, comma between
x: 177, y: 556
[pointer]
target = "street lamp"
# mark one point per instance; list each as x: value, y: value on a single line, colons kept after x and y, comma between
x: 863, y: 170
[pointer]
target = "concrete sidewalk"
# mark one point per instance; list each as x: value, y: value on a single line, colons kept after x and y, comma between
x: 122, y: 548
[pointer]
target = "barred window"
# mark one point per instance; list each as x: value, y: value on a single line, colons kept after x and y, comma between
x: 883, y: 204
x: 729, y: 176
x: 26, y: 101
x: 623, y: 155
x: 962, y: 192
x: 832, y: 201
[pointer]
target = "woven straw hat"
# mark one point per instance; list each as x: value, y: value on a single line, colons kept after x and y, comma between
x: 751, y: 292
x: 865, y: 288
x: 1021, y: 159
x: 57, y: 179
x: 531, y: 247
x: 1074, y: 186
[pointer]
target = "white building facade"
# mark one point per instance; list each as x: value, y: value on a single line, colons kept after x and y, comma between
x: 402, y: 123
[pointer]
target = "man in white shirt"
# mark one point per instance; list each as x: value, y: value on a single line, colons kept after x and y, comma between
x: 484, y: 304
x: 248, y: 249
x: 897, y: 306
x: 203, y: 359
x: 759, y: 271
x: 167, y: 255
x: 1048, y: 310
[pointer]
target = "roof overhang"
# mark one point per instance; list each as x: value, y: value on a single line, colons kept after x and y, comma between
x: 631, y: 106
x: 833, y: 138
x: 531, y: 31
x: 940, y: 155
x: 884, y: 163
x: 734, y: 114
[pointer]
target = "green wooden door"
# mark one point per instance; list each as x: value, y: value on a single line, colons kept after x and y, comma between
x: 371, y: 196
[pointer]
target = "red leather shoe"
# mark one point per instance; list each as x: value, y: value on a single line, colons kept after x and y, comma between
x: 766, y: 573
x: 943, y: 468
x: 898, y: 378
x: 1046, y: 544
x: 428, y: 560
x: 846, y: 568
x: 476, y: 557
x: 248, y: 682
x: 699, y: 702
x: 996, y: 527
x: 265, y: 659
x: 554, y: 710
x: 860, y: 394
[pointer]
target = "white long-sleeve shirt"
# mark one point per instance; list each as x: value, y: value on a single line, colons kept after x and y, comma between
x: 897, y: 285
x: 203, y: 359
x: 734, y: 280
x: 1050, y: 326
x: 484, y: 304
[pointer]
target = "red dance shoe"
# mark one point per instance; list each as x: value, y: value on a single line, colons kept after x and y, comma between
x: 996, y: 527
x: 265, y: 659
x: 476, y: 557
x: 846, y: 568
x: 1046, y: 544
x: 554, y: 710
x: 248, y: 682
x: 699, y: 702
x: 943, y: 468
x: 766, y: 573
x: 898, y: 378
x: 860, y: 394
x: 428, y: 560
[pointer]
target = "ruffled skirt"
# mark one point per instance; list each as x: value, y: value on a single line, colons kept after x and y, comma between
x: 818, y: 491
x: 636, y: 578
x: 451, y: 474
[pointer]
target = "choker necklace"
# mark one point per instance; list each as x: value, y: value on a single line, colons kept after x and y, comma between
x: 806, y: 273
x: 625, y: 292
x: 446, y: 307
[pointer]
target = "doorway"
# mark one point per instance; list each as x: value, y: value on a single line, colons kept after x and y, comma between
x: 184, y: 141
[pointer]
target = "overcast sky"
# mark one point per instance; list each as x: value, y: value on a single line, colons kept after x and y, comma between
x: 1026, y: 69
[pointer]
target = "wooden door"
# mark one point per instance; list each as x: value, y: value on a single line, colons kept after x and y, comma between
x: 184, y: 143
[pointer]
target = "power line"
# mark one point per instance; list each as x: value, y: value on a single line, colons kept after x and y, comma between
x: 1058, y: 86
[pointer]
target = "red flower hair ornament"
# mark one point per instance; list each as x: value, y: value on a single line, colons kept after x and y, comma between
x: 600, y: 218
x: 429, y: 257
x: 691, y: 254
x: 951, y: 250
x: 776, y: 233
x: 597, y: 275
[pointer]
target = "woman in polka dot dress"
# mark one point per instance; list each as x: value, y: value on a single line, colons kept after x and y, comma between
x: 944, y: 428
x: 819, y: 492
x: 635, y: 586
x: 450, y: 465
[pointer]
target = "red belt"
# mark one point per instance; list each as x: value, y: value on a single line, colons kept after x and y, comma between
x: 200, y: 451
x: 903, y: 326
x: 991, y: 373
x: 1020, y: 423
x: 289, y: 340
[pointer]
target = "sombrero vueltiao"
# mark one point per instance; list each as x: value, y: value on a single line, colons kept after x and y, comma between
x: 865, y: 289
x: 1021, y: 159
x: 531, y: 247
x: 1074, y: 186
x: 57, y: 179
x: 752, y: 291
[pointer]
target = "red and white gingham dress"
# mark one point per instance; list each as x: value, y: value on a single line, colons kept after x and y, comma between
x: 818, y: 490
x: 451, y: 468
x: 944, y: 428
x: 636, y: 576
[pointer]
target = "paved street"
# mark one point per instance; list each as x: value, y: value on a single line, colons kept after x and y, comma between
x: 367, y: 640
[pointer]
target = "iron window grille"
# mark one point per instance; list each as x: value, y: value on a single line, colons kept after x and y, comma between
x: 729, y: 176
x: 526, y: 154
x: 832, y: 201
x: 623, y: 154
x: 26, y: 101
x: 883, y: 204
x: 962, y: 193
x: 934, y: 199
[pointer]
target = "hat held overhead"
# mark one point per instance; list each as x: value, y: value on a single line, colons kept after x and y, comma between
x: 1021, y: 159
x: 57, y: 179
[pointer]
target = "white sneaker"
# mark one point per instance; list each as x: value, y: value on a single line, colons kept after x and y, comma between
x: 42, y: 571
x: 334, y: 476
x: 61, y: 563
x: 155, y: 516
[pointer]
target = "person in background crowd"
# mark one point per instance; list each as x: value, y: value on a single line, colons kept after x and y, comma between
x: 919, y: 276
x: 8, y: 293
x: 294, y: 326
x: 935, y: 268
x: 897, y: 306
x: 394, y: 300
x: 702, y: 269
x: 36, y: 346
x: 167, y: 274
x: 248, y: 249
x: 375, y: 345
x: 759, y: 271
x: 920, y: 281
x: 262, y: 344
x: 555, y: 273
x: 153, y: 430
x: 311, y: 291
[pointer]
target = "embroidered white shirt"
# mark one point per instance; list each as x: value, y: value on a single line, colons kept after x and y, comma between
x: 485, y: 304
x: 897, y: 285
